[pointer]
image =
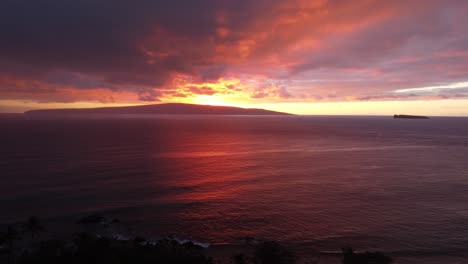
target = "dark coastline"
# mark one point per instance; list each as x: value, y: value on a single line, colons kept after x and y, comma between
x: 98, y: 239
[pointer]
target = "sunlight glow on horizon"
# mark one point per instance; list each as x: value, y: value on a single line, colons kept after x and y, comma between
x: 449, y: 107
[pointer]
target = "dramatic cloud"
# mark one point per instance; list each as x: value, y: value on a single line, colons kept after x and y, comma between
x: 116, y: 51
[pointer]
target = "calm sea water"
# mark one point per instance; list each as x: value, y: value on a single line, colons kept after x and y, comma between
x: 375, y: 183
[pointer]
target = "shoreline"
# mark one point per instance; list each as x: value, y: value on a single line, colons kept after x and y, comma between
x: 99, y: 230
x: 114, y: 231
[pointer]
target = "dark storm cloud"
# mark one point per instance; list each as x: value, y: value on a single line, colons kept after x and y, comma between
x: 121, y: 42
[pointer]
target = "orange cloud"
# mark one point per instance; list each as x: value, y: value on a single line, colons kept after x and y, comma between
x: 232, y: 51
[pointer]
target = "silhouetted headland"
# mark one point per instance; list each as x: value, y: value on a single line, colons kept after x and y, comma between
x: 410, y: 117
x: 160, y: 109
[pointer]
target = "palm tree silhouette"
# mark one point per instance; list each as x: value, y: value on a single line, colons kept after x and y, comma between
x: 33, y: 226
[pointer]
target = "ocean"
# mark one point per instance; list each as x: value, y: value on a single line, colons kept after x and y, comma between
x: 310, y: 182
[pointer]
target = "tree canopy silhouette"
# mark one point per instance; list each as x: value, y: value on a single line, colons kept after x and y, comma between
x: 33, y: 226
x: 350, y: 257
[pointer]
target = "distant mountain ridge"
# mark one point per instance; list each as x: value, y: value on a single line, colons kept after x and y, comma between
x: 161, y: 109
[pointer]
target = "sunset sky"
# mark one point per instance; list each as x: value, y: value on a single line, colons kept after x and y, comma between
x: 299, y: 56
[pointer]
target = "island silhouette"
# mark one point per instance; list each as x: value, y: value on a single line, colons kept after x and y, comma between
x: 410, y: 117
x: 161, y: 109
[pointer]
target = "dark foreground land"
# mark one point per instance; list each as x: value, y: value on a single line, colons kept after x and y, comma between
x: 97, y: 242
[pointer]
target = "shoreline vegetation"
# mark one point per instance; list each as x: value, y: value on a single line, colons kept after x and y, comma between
x: 102, y: 240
